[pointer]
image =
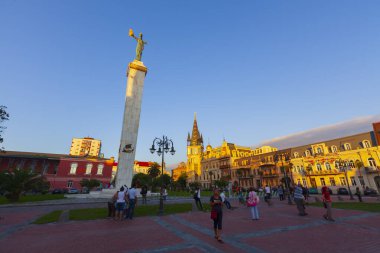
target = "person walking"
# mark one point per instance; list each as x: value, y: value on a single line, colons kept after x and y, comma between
x: 358, y: 193
x: 327, y: 203
x: 164, y: 193
x: 281, y: 192
x: 224, y: 200
x: 268, y: 195
x: 217, y: 214
x: 120, y: 203
x: 132, y: 197
x: 143, y: 192
x: 252, y: 202
x: 197, y: 197
x: 300, y: 200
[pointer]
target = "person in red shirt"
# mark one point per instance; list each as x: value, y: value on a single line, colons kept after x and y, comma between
x: 327, y: 203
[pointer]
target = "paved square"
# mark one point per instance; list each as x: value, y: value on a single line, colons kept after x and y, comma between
x: 279, y: 229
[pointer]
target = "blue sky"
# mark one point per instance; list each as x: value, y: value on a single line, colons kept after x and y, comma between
x: 252, y: 71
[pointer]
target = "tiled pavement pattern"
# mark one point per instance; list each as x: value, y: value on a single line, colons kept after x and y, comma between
x: 279, y: 229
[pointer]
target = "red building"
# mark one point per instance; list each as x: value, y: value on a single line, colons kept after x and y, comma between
x: 62, y: 171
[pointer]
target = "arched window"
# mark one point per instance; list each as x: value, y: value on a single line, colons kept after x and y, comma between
x: 366, y: 144
x: 351, y: 164
x: 100, y: 169
x: 307, y: 153
x: 337, y: 165
x: 319, y: 167
x: 88, y: 168
x: 334, y: 149
x: 295, y: 154
x: 372, y: 162
x: 328, y: 166
x: 319, y: 150
x: 347, y: 146
x: 73, y: 168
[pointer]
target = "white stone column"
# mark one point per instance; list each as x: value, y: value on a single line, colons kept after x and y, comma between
x: 136, y: 75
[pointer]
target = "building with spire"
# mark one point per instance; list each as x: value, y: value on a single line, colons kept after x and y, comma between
x: 194, y: 153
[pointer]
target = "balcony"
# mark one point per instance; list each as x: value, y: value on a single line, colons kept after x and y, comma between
x: 372, y: 169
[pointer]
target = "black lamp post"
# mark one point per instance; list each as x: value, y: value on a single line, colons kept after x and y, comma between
x: 344, y: 167
x: 164, y: 145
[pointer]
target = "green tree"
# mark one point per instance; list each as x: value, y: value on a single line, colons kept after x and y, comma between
x: 165, y: 180
x: 181, y: 181
x: 3, y: 117
x: 154, y: 170
x: 14, y: 183
x: 221, y: 183
x: 141, y: 179
x: 90, y: 184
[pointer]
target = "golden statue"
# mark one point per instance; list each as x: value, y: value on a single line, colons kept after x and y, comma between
x: 140, y: 44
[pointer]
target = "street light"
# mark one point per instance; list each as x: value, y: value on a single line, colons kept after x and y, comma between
x: 163, y: 145
x: 343, y: 167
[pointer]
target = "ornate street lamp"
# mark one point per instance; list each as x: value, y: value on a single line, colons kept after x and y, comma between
x: 163, y: 145
x: 343, y: 166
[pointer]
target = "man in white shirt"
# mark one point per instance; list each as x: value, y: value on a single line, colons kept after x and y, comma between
x: 224, y: 200
x: 132, y: 196
x: 268, y: 195
x: 197, y: 197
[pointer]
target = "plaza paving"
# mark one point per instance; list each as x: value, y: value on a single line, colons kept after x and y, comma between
x: 279, y: 229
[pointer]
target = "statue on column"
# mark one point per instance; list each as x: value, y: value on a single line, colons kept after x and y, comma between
x: 140, y: 44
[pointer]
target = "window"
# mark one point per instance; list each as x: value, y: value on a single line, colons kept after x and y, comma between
x: 88, y: 168
x: 351, y: 164
x: 353, y: 182
x: 366, y: 144
x: 347, y: 146
x: 342, y: 181
x: 307, y: 153
x: 295, y: 154
x: 100, y: 169
x: 334, y: 149
x: 361, y: 180
x: 323, y: 183
x: 371, y: 162
x: 332, y: 181
x: 319, y: 150
x: 73, y: 168
x: 328, y: 166
x: 337, y: 165
x: 304, y: 182
x: 69, y: 184
x: 319, y: 167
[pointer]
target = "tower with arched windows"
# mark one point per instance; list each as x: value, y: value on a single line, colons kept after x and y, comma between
x: 194, y: 153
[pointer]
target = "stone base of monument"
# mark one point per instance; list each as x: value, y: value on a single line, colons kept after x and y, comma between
x: 107, y: 194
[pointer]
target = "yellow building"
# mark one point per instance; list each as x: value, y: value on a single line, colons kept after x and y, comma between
x: 85, y: 147
x: 351, y: 160
x: 179, y: 170
x: 194, y: 153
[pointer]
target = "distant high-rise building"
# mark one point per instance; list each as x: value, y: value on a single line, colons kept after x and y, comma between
x: 85, y: 147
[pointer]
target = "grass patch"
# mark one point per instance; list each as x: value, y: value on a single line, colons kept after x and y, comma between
x: 360, y: 206
x: 188, y: 194
x: 143, y: 210
x: 49, y: 218
x: 32, y: 198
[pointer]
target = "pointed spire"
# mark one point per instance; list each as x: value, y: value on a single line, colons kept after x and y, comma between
x: 195, y: 136
x: 188, y: 136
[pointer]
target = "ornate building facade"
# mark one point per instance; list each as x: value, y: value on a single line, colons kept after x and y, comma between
x: 351, y: 161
